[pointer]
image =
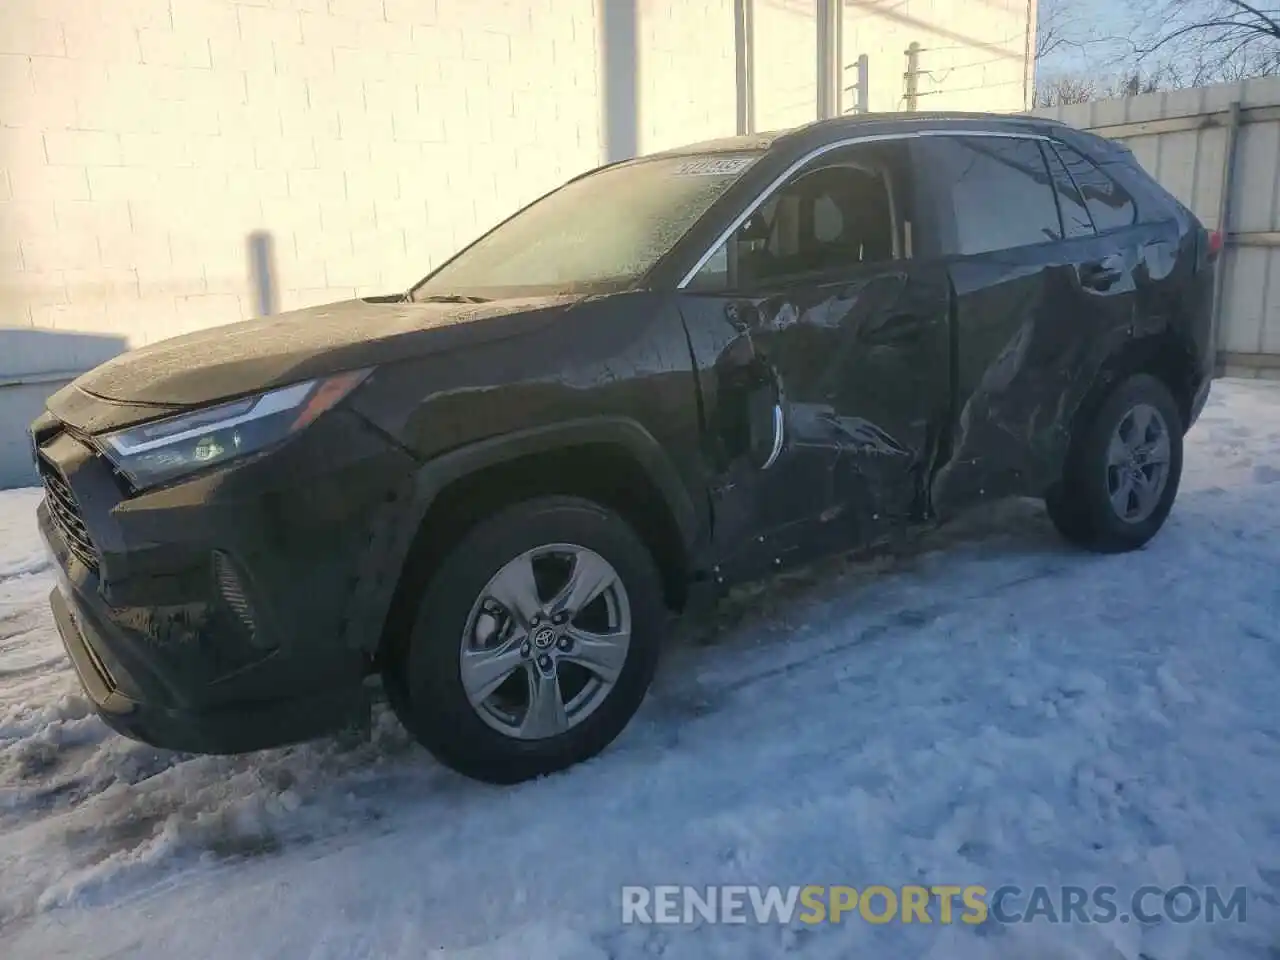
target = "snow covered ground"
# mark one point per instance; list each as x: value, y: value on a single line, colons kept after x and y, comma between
x: 988, y: 707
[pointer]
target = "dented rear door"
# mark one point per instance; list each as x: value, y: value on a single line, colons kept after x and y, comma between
x: 1023, y: 326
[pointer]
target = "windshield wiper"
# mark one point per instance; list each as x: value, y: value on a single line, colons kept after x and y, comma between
x: 452, y: 298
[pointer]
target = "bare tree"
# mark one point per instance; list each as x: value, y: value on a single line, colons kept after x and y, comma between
x: 1059, y: 32
x: 1150, y: 45
x: 1208, y: 41
x: 1153, y: 77
x: 1053, y: 30
x: 1065, y: 89
x: 1061, y: 29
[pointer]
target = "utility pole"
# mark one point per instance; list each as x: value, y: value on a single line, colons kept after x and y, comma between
x: 858, y: 89
x: 837, y: 60
x: 745, y: 56
x: 912, y: 76
x: 828, y: 82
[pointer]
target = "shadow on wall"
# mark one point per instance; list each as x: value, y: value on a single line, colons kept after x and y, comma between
x: 34, y: 364
x: 619, y: 79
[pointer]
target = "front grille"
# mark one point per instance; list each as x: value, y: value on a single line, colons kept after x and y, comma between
x: 66, y: 515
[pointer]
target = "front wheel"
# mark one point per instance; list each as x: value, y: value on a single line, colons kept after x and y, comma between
x: 1122, y: 473
x: 534, y: 642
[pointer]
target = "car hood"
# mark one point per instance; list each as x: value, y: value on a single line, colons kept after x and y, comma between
x: 253, y: 355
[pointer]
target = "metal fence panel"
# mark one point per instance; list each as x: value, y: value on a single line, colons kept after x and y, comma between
x: 1184, y: 139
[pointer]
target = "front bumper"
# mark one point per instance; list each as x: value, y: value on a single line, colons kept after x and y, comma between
x: 214, y: 616
x: 235, y: 728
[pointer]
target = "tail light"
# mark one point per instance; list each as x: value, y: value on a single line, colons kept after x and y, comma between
x: 1215, y: 244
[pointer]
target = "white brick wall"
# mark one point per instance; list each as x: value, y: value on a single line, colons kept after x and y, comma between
x: 687, y: 73
x: 142, y: 140
x: 786, y: 53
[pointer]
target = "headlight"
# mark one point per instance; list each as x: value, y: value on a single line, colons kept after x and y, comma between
x: 164, y: 450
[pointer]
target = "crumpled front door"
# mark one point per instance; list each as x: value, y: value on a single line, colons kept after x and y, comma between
x: 824, y: 406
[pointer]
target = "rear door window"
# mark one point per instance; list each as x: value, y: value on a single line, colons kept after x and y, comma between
x: 1109, y: 204
x: 998, y: 191
x: 1076, y: 221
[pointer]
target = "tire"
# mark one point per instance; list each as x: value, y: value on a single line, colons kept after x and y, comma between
x: 427, y: 673
x: 1082, y: 506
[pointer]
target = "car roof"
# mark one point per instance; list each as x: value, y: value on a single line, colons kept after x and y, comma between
x: 821, y: 131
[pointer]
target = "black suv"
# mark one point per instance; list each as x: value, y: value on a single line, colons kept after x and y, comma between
x: 666, y: 376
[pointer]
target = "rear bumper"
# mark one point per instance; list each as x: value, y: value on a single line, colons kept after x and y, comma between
x: 1198, y: 401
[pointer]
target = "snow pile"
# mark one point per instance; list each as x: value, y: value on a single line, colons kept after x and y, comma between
x: 986, y: 706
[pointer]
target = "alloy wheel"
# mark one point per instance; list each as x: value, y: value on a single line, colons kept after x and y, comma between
x: 1138, y: 463
x: 545, y: 642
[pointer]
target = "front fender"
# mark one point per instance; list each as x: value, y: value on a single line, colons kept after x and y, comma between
x: 396, y: 523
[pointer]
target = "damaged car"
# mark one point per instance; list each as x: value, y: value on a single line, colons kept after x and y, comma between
x: 670, y: 375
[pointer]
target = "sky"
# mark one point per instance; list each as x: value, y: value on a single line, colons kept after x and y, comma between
x: 1101, y: 37
x: 1091, y: 26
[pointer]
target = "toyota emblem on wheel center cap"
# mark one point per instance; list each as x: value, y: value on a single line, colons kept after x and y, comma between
x: 543, y: 637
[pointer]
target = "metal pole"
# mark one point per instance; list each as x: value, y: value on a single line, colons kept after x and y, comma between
x: 1029, y: 59
x: 837, y: 68
x: 825, y: 59
x: 745, y: 56
x: 912, y: 75
x: 859, y: 86
x: 262, y: 273
x: 864, y: 84
x: 1224, y: 225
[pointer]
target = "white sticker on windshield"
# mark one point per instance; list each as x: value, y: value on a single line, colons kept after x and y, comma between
x: 714, y: 166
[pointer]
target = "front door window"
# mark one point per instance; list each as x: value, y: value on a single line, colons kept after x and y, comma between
x: 831, y: 218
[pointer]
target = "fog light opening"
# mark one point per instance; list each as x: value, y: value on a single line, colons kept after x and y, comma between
x: 234, y: 592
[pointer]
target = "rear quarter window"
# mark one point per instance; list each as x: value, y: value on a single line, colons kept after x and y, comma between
x: 1110, y: 205
x: 1076, y: 221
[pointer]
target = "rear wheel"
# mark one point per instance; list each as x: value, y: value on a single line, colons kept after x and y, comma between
x: 534, y: 642
x: 1122, y: 473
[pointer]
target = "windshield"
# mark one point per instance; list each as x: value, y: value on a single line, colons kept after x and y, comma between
x: 594, y: 235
